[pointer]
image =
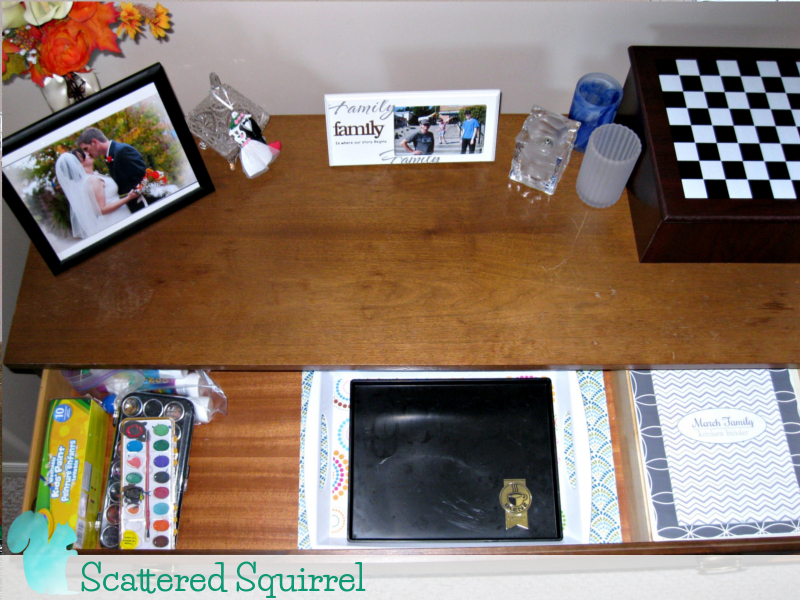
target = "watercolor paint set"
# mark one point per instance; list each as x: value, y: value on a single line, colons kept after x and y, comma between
x: 148, y: 473
x: 148, y: 502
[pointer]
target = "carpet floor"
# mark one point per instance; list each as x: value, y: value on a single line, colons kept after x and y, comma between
x: 13, y: 490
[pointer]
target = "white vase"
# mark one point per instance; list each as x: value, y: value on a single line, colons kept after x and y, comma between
x: 57, y: 91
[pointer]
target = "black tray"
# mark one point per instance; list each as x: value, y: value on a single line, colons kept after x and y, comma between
x: 430, y: 460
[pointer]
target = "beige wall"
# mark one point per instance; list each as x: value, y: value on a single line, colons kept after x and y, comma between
x: 286, y: 55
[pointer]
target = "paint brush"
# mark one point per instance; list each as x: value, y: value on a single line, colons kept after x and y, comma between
x: 147, y: 485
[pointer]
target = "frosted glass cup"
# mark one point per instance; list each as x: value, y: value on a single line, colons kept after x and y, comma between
x: 608, y: 163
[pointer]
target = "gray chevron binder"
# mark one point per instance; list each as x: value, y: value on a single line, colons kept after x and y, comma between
x: 719, y: 452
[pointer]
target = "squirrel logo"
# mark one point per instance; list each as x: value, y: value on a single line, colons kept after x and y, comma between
x: 44, y: 557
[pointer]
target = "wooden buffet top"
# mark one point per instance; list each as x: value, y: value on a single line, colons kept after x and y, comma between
x: 397, y: 266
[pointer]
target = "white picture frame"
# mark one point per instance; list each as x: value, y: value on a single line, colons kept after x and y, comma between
x: 369, y: 129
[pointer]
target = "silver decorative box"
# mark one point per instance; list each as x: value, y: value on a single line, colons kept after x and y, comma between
x: 210, y: 119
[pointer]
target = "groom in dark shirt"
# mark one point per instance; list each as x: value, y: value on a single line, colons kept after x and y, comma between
x: 125, y: 164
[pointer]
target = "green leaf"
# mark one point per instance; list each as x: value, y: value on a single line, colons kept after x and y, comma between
x: 15, y: 66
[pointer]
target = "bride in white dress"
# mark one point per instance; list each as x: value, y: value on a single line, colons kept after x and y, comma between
x: 94, y: 200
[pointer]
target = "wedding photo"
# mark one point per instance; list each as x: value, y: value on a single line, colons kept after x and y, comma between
x: 439, y: 130
x: 102, y: 176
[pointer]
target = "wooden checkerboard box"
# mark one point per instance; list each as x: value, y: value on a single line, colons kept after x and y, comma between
x: 719, y: 175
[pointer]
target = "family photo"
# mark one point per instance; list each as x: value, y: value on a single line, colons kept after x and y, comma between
x: 439, y: 130
x: 84, y: 185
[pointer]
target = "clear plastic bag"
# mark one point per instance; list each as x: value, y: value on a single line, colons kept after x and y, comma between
x: 207, y: 397
x: 210, y: 120
x: 99, y: 383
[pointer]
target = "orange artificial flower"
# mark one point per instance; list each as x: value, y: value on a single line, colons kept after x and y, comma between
x: 82, y: 11
x: 94, y: 20
x: 67, y: 41
x: 131, y: 20
x: 160, y: 23
x: 62, y: 52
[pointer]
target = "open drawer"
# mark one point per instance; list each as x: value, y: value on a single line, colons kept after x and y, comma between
x: 244, y: 467
x: 245, y: 474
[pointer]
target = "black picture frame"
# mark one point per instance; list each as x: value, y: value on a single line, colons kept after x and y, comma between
x: 21, y: 146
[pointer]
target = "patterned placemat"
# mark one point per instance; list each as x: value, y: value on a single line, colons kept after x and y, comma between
x: 605, y: 520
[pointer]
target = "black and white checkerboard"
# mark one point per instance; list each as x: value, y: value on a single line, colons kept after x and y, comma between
x: 735, y: 127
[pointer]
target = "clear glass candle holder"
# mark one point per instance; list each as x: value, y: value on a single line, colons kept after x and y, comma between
x: 543, y: 148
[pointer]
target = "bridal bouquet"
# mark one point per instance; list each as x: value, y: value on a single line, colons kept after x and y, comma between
x: 154, y: 185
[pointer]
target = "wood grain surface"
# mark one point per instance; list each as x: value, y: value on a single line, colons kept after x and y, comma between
x: 627, y: 509
x: 244, y: 468
x: 397, y: 266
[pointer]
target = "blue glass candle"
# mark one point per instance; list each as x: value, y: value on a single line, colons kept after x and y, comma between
x: 595, y: 102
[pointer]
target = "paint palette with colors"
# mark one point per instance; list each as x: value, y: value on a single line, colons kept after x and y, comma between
x: 141, y: 405
x: 148, y: 501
